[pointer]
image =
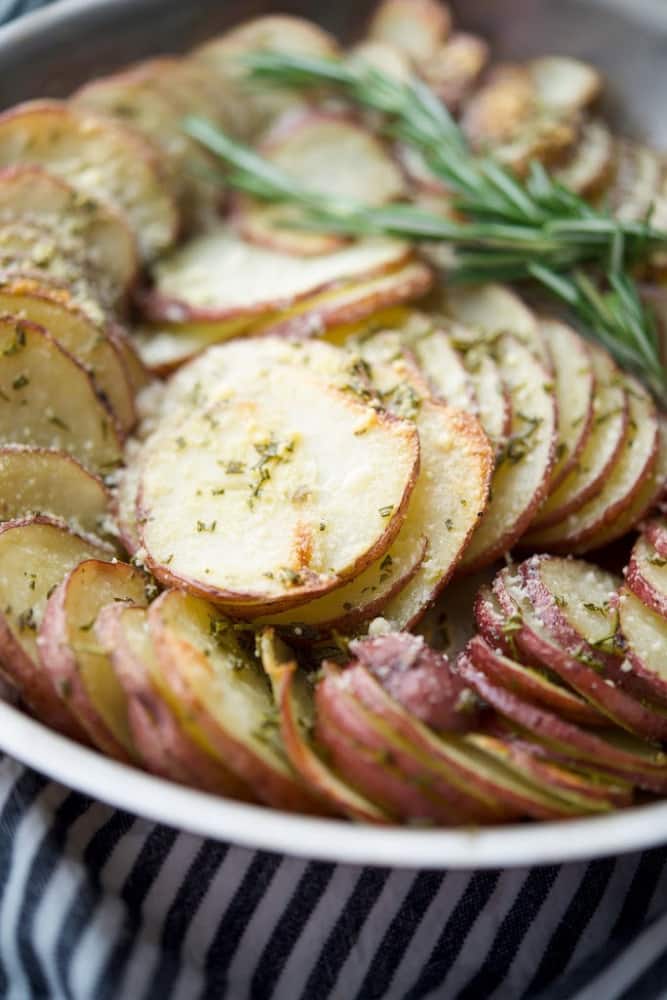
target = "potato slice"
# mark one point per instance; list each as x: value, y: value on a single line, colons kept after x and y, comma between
x: 452, y: 487
x: 29, y: 192
x: 322, y: 151
x: 600, y: 683
x: 96, y: 349
x: 637, y: 459
x: 637, y: 179
x: 646, y: 576
x: 416, y: 27
x: 508, y: 116
x: 136, y: 98
x: 72, y: 656
x: 645, y: 635
x: 259, y: 518
x: 494, y: 402
x: 591, y: 162
x: 164, y: 747
x: 351, y: 303
x: 646, y: 497
x: 222, y: 699
x: 574, y: 383
x: 217, y: 276
x: 564, y: 85
x: 222, y: 57
x: 38, y: 481
x: 600, y: 452
x: 491, y: 309
x: 523, y: 468
x: 363, y: 598
x: 383, y: 56
x: 35, y: 554
x: 455, y: 67
x: 96, y: 156
x: 444, y: 369
x: 294, y: 702
x: 49, y: 401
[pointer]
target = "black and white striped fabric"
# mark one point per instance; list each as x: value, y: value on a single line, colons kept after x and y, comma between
x: 96, y: 903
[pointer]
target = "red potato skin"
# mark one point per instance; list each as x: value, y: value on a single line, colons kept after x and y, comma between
x: 35, y: 688
x: 366, y: 759
x: 418, y: 678
x: 569, y: 738
x: 60, y: 665
x: 654, y: 685
x: 164, y: 748
x: 609, y: 699
x: 306, y: 762
x: 568, y: 705
x: 654, y: 599
x: 550, y: 772
x: 656, y: 534
x: 269, y: 786
x: 490, y: 621
x: 490, y: 805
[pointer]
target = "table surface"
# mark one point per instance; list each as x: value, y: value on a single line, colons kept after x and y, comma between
x: 97, y: 903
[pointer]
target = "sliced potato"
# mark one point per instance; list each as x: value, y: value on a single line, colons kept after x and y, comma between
x: 636, y: 182
x: 49, y: 401
x: 96, y: 349
x: 363, y: 598
x: 383, y: 56
x: 591, y: 162
x: 38, y: 481
x: 29, y: 192
x: 443, y: 367
x: 645, y: 635
x: 222, y: 57
x: 455, y: 67
x: 574, y: 384
x: 97, y: 157
x: 72, y: 656
x: 323, y: 152
x: 452, y: 487
x: 136, y: 98
x: 217, y: 276
x: 35, y: 554
x: 600, y: 452
x: 163, y: 745
x: 221, y: 698
x: 564, y: 85
x: 508, y: 117
x: 647, y: 496
x: 351, y: 303
x: 491, y: 309
x: 259, y: 517
x: 416, y: 27
x: 294, y: 702
x: 577, y: 532
x: 494, y: 403
x: 523, y: 468
x: 646, y: 576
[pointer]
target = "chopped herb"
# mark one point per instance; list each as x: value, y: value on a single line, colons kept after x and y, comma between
x: 87, y: 627
x: 17, y: 344
x: 518, y: 445
x: 151, y: 588
x: 290, y: 576
x: 347, y: 606
x: 657, y: 561
x: 598, y: 609
x: 181, y: 443
x: 217, y: 491
x: 20, y: 382
x: 57, y: 422
x: 386, y: 511
x: 449, y: 524
x: 234, y: 468
x: 64, y: 687
x: 26, y: 621
x: 202, y: 526
x: 323, y: 526
x: 560, y: 602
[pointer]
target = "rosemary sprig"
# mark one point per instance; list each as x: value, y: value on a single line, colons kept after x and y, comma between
x: 513, y: 230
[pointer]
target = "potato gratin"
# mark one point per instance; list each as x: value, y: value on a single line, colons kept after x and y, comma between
x: 290, y: 517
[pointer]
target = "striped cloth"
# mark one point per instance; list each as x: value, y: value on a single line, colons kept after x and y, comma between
x: 97, y: 903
